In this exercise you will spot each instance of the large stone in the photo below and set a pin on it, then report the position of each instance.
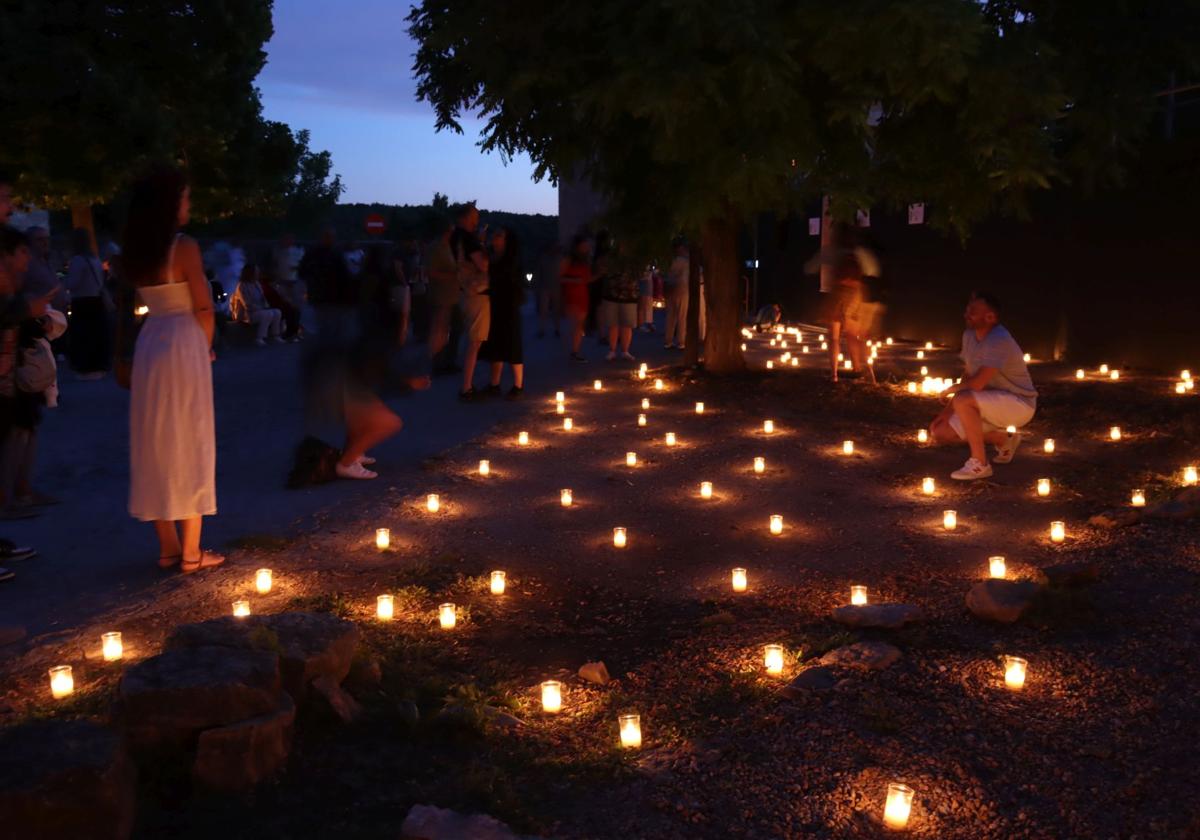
(65, 779)
(238, 756)
(309, 645)
(1116, 518)
(334, 700)
(1002, 600)
(865, 656)
(819, 678)
(166, 700)
(427, 822)
(1069, 574)
(877, 615)
(594, 672)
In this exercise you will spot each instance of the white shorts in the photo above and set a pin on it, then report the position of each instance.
(999, 410)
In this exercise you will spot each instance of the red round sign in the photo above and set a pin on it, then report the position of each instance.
(375, 224)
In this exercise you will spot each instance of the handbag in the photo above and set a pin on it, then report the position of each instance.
(36, 368)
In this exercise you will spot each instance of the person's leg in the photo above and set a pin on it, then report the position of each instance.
(259, 321)
(405, 317)
(469, 359)
(626, 338)
(439, 330)
(835, 341)
(497, 369)
(577, 320)
(942, 431)
(681, 322)
(368, 423)
(518, 370)
(966, 409)
(612, 337)
(276, 323)
(168, 540)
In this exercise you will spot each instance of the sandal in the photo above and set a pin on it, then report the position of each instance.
(170, 561)
(206, 560)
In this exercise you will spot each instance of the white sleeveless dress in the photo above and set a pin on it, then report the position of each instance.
(172, 434)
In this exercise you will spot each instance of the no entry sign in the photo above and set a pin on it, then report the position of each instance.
(375, 224)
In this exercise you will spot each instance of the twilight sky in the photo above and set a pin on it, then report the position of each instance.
(342, 70)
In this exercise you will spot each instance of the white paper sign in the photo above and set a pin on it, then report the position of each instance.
(916, 213)
(814, 226)
(863, 217)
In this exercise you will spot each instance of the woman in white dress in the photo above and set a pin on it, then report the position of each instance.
(172, 444)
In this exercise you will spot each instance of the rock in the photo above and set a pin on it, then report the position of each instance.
(309, 644)
(427, 822)
(594, 672)
(239, 756)
(819, 678)
(867, 656)
(877, 615)
(167, 699)
(366, 675)
(66, 779)
(334, 699)
(1069, 574)
(1002, 600)
(1116, 518)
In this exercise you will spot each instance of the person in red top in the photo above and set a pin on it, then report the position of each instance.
(575, 275)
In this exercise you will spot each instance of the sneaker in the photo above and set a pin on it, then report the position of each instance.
(355, 470)
(515, 393)
(972, 470)
(627, 356)
(276, 340)
(612, 354)
(468, 395)
(668, 346)
(576, 357)
(1005, 453)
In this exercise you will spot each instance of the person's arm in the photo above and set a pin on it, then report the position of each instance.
(976, 382)
(187, 260)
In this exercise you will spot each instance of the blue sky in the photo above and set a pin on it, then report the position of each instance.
(343, 71)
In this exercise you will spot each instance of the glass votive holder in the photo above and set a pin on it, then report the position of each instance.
(776, 524)
(949, 519)
(1048, 446)
(619, 537)
(263, 581)
(241, 608)
(565, 497)
(631, 459)
(631, 731)
(739, 580)
(485, 467)
(847, 447)
(385, 607)
(62, 682)
(858, 595)
(773, 659)
(997, 567)
(447, 616)
(1058, 531)
(1138, 499)
(760, 465)
(928, 487)
(111, 646)
(898, 806)
(552, 696)
(498, 581)
(433, 503)
(706, 490)
(1043, 487)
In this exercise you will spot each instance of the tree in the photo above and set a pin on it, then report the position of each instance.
(694, 116)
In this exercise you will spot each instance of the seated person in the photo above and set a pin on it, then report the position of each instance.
(996, 392)
(249, 306)
(768, 317)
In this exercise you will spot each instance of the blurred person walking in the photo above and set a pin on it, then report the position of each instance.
(443, 299)
(575, 276)
(618, 298)
(91, 347)
(507, 290)
(549, 290)
(471, 263)
(675, 290)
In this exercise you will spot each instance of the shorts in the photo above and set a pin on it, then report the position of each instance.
(999, 409)
(477, 316)
(618, 313)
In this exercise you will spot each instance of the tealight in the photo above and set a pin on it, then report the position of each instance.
(739, 580)
(773, 659)
(262, 581)
(62, 683)
(1058, 531)
(560, 396)
(847, 447)
(1189, 475)
(645, 403)
(928, 345)
(898, 806)
(922, 436)
(949, 519)
(1014, 672)
(522, 438)
(597, 385)
(1027, 357)
(997, 568)
(770, 364)
(565, 497)
(1048, 446)
(768, 426)
(560, 409)
(1180, 387)
(795, 361)
(848, 365)
(1079, 373)
(111, 646)
(924, 370)
(1012, 430)
(241, 608)
(911, 387)
(631, 459)
(631, 731)
(920, 354)
(699, 408)
(447, 616)
(568, 424)
(858, 595)
(385, 606)
(485, 467)
(498, 580)
(776, 524)
(1043, 487)
(1114, 433)
(1104, 369)
(1138, 499)
(705, 489)
(658, 385)
(619, 537)
(670, 438)
(888, 341)
(1185, 375)
(1115, 374)
(641, 419)
(552, 696)
(928, 487)
(433, 503)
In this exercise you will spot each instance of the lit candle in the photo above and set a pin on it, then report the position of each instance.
(776, 524)
(522, 438)
(1012, 430)
(743, 347)
(641, 419)
(1115, 374)
(927, 485)
(928, 345)
(1104, 368)
(619, 537)
(262, 581)
(565, 497)
(997, 568)
(560, 396)
(385, 606)
(1027, 357)
(1079, 374)
(1048, 446)
(241, 608)
(760, 464)
(912, 387)
(1189, 475)
(949, 519)
(705, 489)
(62, 682)
(447, 616)
(924, 370)
(1180, 387)
(888, 341)
(560, 409)
(1043, 487)
(645, 403)
(641, 374)
(770, 364)
(920, 354)
(1185, 374)
(773, 659)
(670, 438)
(1138, 499)
(847, 447)
(922, 436)
(658, 385)
(631, 731)
(1114, 432)
(768, 426)
(498, 582)
(898, 807)
(739, 580)
(110, 644)
(631, 459)
(1058, 531)
(795, 361)
(485, 467)
(848, 365)
(597, 385)
(1014, 672)
(552, 696)
(568, 424)
(433, 503)
(643, 367)
(858, 595)
(699, 408)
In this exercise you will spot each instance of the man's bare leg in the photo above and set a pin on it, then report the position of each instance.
(967, 411)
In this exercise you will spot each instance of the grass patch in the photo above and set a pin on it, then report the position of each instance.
(335, 603)
(815, 644)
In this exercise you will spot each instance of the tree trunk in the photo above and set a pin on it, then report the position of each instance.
(691, 356)
(722, 290)
(81, 217)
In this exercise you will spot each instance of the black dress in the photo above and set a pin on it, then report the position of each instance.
(504, 338)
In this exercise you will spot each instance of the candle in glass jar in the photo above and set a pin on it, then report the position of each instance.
(776, 524)
(498, 579)
(447, 616)
(1027, 358)
(560, 396)
(568, 424)
(920, 354)
(619, 537)
(62, 683)
(898, 806)
(670, 438)
(705, 489)
(597, 385)
(1189, 475)
(262, 581)
(1104, 369)
(383, 538)
(485, 467)
(847, 447)
(1043, 487)
(658, 385)
(997, 568)
(739, 580)
(858, 595)
(770, 365)
(552, 696)
(641, 419)
(241, 608)
(768, 426)
(773, 659)
(1048, 446)
(760, 464)
(522, 438)
(1014, 672)
(1058, 531)
(699, 408)
(927, 485)
(631, 731)
(1079, 373)
(111, 646)
(631, 459)
(1114, 432)
(385, 606)
(645, 403)
(922, 436)
(1114, 374)
(565, 497)
(1185, 374)
(949, 519)
(560, 409)
(848, 365)
(912, 387)
(433, 503)
(1138, 499)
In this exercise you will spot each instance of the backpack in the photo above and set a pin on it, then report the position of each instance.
(36, 368)
(470, 279)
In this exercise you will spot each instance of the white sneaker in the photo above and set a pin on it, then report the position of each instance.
(612, 354)
(356, 470)
(972, 470)
(1005, 453)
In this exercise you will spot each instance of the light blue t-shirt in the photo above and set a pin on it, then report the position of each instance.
(999, 350)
